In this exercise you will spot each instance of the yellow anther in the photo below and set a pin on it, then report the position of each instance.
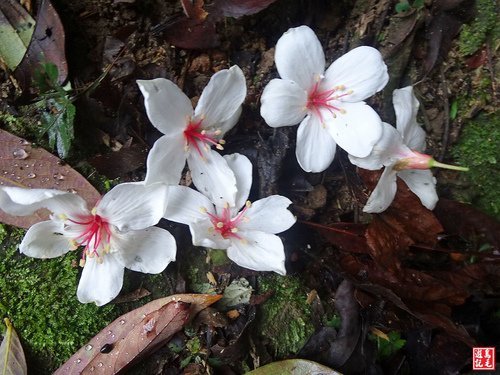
(248, 204)
(186, 148)
(62, 217)
(73, 245)
(226, 205)
(219, 147)
(210, 229)
(222, 142)
(100, 260)
(203, 210)
(82, 262)
(217, 131)
(343, 111)
(350, 92)
(106, 249)
(234, 230)
(220, 224)
(94, 211)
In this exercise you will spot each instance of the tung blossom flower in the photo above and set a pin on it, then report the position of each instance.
(328, 104)
(400, 151)
(117, 233)
(247, 230)
(190, 134)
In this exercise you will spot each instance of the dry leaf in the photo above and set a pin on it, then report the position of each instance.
(23, 165)
(47, 45)
(138, 332)
(12, 361)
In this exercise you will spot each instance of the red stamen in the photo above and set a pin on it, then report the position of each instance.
(194, 134)
(96, 231)
(225, 225)
(319, 100)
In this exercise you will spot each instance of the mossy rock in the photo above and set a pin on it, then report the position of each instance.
(285, 319)
(475, 34)
(479, 149)
(39, 297)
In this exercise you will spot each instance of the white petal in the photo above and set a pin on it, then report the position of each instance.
(212, 177)
(283, 103)
(259, 252)
(45, 240)
(423, 184)
(131, 206)
(361, 70)
(315, 146)
(227, 125)
(222, 97)
(20, 201)
(168, 108)
(100, 282)
(204, 234)
(166, 160)
(186, 205)
(386, 151)
(269, 215)
(357, 130)
(149, 250)
(242, 169)
(384, 193)
(299, 56)
(406, 108)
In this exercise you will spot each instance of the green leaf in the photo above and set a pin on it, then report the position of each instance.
(454, 110)
(57, 120)
(45, 77)
(402, 6)
(236, 293)
(293, 367)
(417, 4)
(12, 361)
(16, 30)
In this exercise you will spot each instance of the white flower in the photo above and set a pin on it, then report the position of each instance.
(247, 234)
(189, 135)
(117, 233)
(331, 101)
(400, 152)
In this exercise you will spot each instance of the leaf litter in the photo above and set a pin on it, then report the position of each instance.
(404, 262)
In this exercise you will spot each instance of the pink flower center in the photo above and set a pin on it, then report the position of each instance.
(95, 234)
(226, 226)
(415, 161)
(201, 139)
(319, 100)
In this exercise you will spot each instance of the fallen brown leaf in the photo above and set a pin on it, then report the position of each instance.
(23, 165)
(47, 45)
(138, 332)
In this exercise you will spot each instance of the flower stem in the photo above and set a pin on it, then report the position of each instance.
(434, 163)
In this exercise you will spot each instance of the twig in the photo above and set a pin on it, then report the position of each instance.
(446, 115)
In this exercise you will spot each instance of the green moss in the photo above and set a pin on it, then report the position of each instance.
(39, 297)
(479, 149)
(285, 319)
(474, 35)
